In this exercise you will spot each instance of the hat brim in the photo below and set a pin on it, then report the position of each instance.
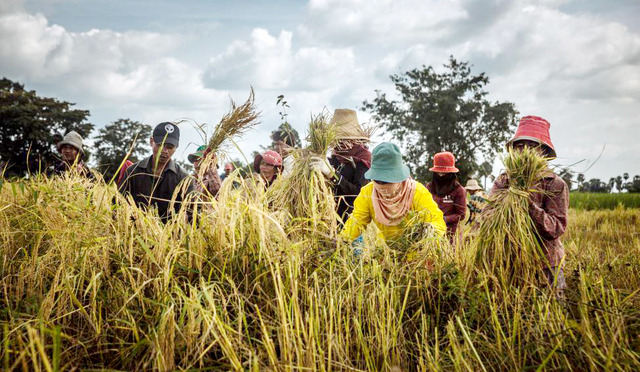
(550, 150)
(167, 140)
(473, 188)
(194, 157)
(62, 143)
(444, 169)
(391, 175)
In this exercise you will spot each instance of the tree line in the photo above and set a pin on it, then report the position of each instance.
(434, 111)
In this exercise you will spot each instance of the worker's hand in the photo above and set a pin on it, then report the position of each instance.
(358, 246)
(321, 165)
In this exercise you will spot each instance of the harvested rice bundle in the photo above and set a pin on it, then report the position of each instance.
(304, 194)
(234, 124)
(507, 248)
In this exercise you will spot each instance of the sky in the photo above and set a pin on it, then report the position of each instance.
(575, 63)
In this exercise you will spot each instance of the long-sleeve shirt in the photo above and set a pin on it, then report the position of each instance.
(147, 189)
(548, 208)
(350, 179)
(453, 205)
(423, 210)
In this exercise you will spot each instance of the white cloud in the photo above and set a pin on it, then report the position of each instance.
(271, 63)
(574, 68)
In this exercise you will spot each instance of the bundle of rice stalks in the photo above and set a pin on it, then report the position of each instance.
(304, 194)
(507, 248)
(235, 123)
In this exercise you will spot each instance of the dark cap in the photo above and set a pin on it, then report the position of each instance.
(167, 132)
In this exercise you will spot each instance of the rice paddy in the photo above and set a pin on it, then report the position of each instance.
(260, 279)
(90, 282)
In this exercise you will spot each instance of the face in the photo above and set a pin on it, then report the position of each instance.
(387, 189)
(196, 165)
(162, 152)
(69, 153)
(521, 144)
(267, 171)
(228, 168)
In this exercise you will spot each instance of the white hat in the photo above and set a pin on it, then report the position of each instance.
(472, 185)
(72, 139)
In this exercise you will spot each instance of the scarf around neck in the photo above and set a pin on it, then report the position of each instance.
(357, 153)
(391, 209)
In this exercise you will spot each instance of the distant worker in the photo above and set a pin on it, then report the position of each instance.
(228, 168)
(549, 207)
(72, 153)
(447, 192)
(123, 171)
(393, 201)
(350, 160)
(284, 141)
(476, 203)
(268, 165)
(152, 181)
(206, 181)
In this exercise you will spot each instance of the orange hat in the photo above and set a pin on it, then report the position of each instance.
(444, 162)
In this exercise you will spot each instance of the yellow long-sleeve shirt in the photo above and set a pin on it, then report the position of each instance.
(424, 209)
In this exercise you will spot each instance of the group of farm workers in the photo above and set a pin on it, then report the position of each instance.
(369, 186)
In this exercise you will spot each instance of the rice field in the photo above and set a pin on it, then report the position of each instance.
(90, 282)
(594, 201)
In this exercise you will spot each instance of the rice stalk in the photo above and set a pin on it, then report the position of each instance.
(507, 248)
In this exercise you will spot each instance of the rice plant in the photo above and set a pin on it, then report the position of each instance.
(507, 248)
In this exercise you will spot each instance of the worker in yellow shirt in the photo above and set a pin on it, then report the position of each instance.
(393, 201)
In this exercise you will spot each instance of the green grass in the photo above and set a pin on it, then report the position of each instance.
(593, 201)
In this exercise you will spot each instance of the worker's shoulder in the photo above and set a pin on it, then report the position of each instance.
(180, 171)
(421, 189)
(367, 189)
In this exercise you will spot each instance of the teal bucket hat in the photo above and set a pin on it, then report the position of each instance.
(194, 157)
(387, 165)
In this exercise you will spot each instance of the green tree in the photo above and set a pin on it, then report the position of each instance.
(115, 140)
(484, 171)
(285, 131)
(31, 126)
(567, 175)
(580, 180)
(619, 183)
(446, 111)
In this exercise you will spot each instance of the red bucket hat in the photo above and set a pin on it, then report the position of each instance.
(270, 157)
(444, 162)
(534, 128)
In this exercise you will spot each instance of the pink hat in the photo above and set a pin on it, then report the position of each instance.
(444, 162)
(534, 128)
(270, 157)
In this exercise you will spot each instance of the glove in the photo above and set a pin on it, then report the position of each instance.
(322, 166)
(358, 246)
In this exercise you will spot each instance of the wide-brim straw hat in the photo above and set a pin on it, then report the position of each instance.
(472, 185)
(536, 129)
(348, 128)
(444, 162)
(72, 138)
(387, 164)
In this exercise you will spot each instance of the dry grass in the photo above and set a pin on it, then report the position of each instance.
(90, 282)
